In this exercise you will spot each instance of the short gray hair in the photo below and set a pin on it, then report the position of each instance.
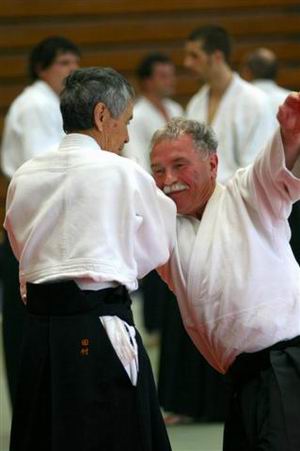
(203, 136)
(84, 88)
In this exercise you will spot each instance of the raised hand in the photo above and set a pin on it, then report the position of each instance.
(289, 120)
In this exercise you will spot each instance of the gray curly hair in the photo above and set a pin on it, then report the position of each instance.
(203, 136)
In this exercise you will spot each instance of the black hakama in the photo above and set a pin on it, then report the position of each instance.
(265, 405)
(74, 392)
(13, 317)
(187, 384)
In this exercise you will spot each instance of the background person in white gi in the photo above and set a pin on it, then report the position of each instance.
(238, 112)
(33, 123)
(85, 224)
(157, 80)
(260, 67)
(234, 273)
(32, 126)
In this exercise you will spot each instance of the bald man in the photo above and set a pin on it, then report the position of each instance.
(260, 68)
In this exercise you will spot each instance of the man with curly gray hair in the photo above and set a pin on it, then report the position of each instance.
(234, 274)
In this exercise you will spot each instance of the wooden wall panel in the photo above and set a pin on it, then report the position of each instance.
(119, 33)
(65, 8)
(154, 29)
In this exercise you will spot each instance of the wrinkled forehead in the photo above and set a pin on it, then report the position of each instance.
(166, 149)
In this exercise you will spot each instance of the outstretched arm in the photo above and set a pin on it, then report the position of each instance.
(289, 120)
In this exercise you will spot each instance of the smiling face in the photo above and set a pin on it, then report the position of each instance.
(183, 174)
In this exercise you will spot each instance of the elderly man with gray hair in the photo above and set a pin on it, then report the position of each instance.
(85, 224)
(234, 274)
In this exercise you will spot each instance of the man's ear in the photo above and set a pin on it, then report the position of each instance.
(213, 161)
(100, 115)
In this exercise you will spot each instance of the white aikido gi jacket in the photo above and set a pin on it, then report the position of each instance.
(33, 125)
(146, 120)
(93, 217)
(275, 94)
(234, 274)
(243, 123)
